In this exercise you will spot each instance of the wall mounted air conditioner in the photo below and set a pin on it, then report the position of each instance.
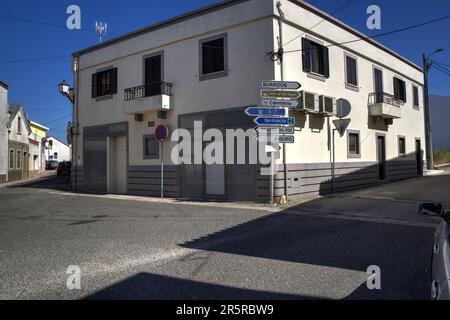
(310, 101)
(327, 105)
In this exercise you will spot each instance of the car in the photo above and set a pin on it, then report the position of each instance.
(51, 165)
(64, 168)
(440, 257)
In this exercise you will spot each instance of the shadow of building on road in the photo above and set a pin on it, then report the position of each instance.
(148, 286)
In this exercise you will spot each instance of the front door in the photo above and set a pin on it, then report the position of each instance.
(215, 179)
(117, 165)
(419, 158)
(381, 154)
(153, 75)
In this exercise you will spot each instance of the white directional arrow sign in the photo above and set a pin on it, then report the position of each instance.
(287, 85)
(276, 139)
(275, 130)
(276, 94)
(293, 104)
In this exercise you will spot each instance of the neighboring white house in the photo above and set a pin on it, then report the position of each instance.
(3, 132)
(207, 66)
(440, 115)
(57, 150)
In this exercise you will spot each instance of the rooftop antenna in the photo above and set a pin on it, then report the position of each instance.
(101, 28)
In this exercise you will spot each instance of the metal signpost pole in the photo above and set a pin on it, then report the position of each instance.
(162, 169)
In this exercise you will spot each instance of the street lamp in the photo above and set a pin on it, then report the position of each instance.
(428, 139)
(66, 90)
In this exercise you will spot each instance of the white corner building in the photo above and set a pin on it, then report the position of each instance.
(207, 65)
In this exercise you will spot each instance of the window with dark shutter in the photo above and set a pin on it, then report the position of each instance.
(415, 96)
(351, 71)
(213, 57)
(402, 146)
(104, 83)
(315, 58)
(399, 90)
(151, 147)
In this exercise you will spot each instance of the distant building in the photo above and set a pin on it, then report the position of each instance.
(57, 150)
(18, 144)
(3, 132)
(440, 113)
(37, 142)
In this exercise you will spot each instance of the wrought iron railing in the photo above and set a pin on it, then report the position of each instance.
(383, 97)
(148, 90)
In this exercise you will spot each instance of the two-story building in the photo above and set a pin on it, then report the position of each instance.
(18, 143)
(57, 150)
(207, 65)
(37, 142)
(3, 132)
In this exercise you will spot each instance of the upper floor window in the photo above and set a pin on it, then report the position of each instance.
(19, 125)
(351, 71)
(213, 57)
(315, 58)
(104, 83)
(416, 96)
(399, 89)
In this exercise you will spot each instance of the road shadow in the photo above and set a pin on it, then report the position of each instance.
(148, 286)
(48, 183)
(402, 252)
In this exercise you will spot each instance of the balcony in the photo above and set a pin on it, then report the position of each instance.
(384, 105)
(149, 97)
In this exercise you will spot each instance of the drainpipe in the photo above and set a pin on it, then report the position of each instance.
(280, 56)
(75, 122)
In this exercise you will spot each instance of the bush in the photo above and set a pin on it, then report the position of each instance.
(441, 157)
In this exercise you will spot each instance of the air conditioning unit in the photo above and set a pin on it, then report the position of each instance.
(310, 101)
(327, 105)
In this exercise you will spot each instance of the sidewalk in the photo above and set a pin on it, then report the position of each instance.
(26, 181)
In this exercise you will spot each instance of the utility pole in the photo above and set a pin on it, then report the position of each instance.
(428, 138)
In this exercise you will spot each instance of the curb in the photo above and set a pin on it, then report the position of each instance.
(24, 182)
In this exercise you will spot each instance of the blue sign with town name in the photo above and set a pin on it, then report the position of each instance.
(263, 121)
(270, 112)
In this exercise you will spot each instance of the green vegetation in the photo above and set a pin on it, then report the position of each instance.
(441, 157)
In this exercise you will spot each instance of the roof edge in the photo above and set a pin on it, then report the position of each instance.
(4, 85)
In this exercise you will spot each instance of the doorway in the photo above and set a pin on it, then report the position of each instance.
(419, 157)
(117, 164)
(381, 157)
(153, 75)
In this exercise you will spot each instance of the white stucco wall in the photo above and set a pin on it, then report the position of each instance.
(3, 131)
(63, 151)
(14, 134)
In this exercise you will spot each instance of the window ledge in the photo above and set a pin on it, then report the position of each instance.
(316, 76)
(352, 87)
(213, 75)
(354, 156)
(103, 98)
(416, 108)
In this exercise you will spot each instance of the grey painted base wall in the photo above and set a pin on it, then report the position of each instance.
(304, 180)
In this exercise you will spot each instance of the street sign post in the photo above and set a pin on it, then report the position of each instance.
(277, 85)
(275, 130)
(263, 121)
(161, 135)
(270, 112)
(276, 94)
(292, 104)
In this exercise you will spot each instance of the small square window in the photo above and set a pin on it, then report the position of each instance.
(402, 146)
(151, 147)
(354, 148)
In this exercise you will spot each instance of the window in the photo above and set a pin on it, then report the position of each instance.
(11, 159)
(213, 57)
(19, 160)
(315, 58)
(401, 146)
(151, 147)
(399, 89)
(19, 125)
(55, 155)
(351, 71)
(354, 149)
(416, 96)
(104, 83)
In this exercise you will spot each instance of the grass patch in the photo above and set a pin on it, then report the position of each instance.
(441, 157)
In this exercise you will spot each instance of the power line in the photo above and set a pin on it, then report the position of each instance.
(382, 34)
(56, 120)
(35, 59)
(445, 71)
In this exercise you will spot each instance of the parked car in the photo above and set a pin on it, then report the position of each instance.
(440, 261)
(51, 165)
(64, 168)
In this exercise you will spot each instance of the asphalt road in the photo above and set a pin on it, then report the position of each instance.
(132, 248)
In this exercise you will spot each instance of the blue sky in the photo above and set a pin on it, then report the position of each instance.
(34, 83)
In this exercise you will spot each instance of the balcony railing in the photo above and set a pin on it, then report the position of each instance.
(382, 97)
(148, 90)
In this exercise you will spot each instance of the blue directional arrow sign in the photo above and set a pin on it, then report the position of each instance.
(263, 121)
(270, 112)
